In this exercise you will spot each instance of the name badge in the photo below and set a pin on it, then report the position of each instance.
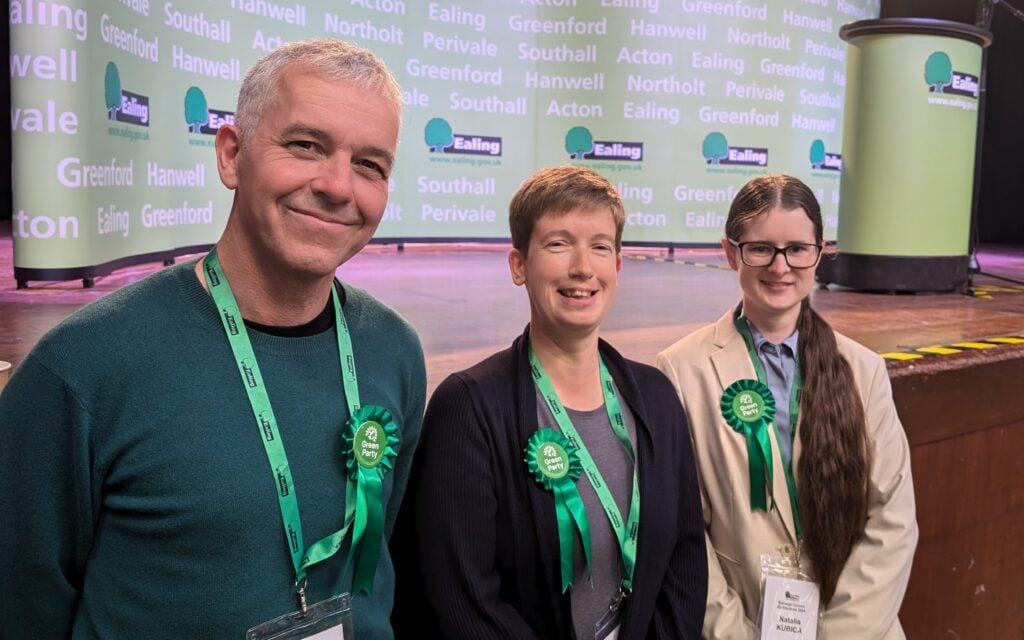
(330, 619)
(790, 601)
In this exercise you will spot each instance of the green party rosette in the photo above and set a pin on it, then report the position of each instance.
(749, 407)
(369, 449)
(555, 464)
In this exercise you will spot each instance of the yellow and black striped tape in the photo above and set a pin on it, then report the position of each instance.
(986, 290)
(956, 347)
(689, 263)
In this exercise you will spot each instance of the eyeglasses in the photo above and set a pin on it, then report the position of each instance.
(761, 254)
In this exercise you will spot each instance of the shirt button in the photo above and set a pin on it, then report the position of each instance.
(787, 550)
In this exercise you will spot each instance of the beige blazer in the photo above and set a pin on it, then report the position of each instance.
(871, 585)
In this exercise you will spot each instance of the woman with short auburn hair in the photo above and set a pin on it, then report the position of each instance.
(554, 493)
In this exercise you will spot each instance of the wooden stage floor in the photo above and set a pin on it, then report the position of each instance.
(464, 306)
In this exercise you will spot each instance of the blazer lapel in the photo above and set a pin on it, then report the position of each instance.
(541, 502)
(731, 362)
(780, 490)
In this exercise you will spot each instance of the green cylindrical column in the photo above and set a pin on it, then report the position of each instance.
(909, 136)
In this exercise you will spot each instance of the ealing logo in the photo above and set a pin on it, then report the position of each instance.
(293, 537)
(123, 106)
(266, 426)
(440, 139)
(248, 372)
(202, 119)
(282, 480)
(580, 145)
(941, 78)
(821, 159)
(230, 314)
(716, 150)
(211, 274)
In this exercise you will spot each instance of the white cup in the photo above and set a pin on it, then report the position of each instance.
(5, 372)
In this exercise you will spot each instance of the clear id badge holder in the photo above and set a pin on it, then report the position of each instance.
(329, 619)
(790, 601)
(607, 628)
(611, 632)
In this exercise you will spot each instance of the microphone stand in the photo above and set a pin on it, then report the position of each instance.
(1017, 13)
(986, 9)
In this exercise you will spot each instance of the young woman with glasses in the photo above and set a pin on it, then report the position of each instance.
(804, 466)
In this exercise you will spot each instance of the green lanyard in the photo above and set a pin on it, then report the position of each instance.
(266, 422)
(625, 533)
(794, 409)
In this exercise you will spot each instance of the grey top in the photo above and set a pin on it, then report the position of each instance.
(779, 362)
(589, 605)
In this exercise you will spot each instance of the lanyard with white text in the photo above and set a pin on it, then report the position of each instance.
(266, 422)
(794, 409)
(626, 534)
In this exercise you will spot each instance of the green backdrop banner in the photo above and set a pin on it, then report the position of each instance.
(115, 106)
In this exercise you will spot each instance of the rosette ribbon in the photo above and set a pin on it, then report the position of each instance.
(370, 442)
(749, 407)
(555, 464)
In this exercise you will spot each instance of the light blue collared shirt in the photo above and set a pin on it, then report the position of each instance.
(779, 362)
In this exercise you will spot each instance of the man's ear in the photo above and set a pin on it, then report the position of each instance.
(730, 254)
(228, 145)
(517, 266)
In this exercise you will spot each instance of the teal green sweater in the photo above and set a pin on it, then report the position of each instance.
(137, 500)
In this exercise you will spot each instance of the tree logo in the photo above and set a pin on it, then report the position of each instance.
(823, 160)
(579, 142)
(715, 147)
(123, 106)
(112, 90)
(716, 151)
(440, 138)
(200, 118)
(197, 112)
(938, 71)
(438, 135)
(940, 77)
(580, 145)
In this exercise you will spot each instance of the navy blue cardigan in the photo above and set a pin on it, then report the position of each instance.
(476, 545)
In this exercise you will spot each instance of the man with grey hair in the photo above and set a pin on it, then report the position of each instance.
(219, 451)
